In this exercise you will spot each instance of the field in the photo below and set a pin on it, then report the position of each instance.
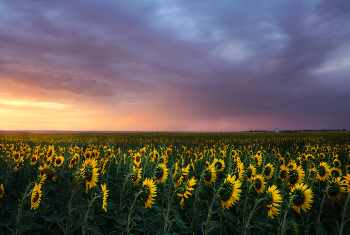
(204, 183)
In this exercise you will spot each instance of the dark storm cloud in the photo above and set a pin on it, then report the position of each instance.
(209, 59)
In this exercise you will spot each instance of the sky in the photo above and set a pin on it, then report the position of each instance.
(174, 65)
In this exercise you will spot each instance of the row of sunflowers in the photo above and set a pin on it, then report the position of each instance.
(164, 183)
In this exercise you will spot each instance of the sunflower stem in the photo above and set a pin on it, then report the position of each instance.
(283, 230)
(130, 212)
(87, 214)
(246, 229)
(319, 214)
(343, 215)
(168, 208)
(209, 212)
(20, 206)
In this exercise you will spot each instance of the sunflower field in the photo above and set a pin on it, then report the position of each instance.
(166, 183)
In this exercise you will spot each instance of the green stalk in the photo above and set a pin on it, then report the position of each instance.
(209, 212)
(343, 215)
(245, 228)
(87, 214)
(128, 229)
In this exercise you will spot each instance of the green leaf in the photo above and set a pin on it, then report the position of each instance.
(160, 209)
(180, 223)
(121, 219)
(193, 213)
(319, 229)
(53, 218)
(6, 222)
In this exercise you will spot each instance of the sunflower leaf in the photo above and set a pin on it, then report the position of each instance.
(319, 229)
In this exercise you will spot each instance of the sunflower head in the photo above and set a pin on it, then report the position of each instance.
(336, 172)
(137, 159)
(301, 197)
(335, 189)
(283, 173)
(337, 163)
(259, 183)
(161, 173)
(239, 170)
(104, 196)
(148, 192)
(251, 171)
(136, 175)
(296, 175)
(186, 191)
(36, 196)
(34, 159)
(273, 199)
(313, 173)
(268, 171)
(2, 191)
(219, 164)
(347, 182)
(323, 171)
(50, 173)
(230, 192)
(59, 161)
(209, 175)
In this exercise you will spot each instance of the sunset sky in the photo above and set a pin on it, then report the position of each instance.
(174, 65)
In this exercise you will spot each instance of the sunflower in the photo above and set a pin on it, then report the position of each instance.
(161, 173)
(250, 172)
(59, 161)
(104, 165)
(309, 157)
(335, 189)
(312, 173)
(89, 173)
(34, 159)
(104, 196)
(240, 171)
(19, 164)
(136, 175)
(137, 159)
(48, 161)
(336, 172)
(257, 159)
(149, 192)
(274, 197)
(347, 181)
(41, 178)
(209, 175)
(51, 151)
(2, 191)
(268, 171)
(36, 196)
(259, 183)
(186, 191)
(192, 165)
(219, 164)
(301, 197)
(347, 168)
(230, 192)
(337, 163)
(283, 173)
(323, 171)
(181, 176)
(16, 156)
(296, 175)
(50, 173)
(74, 160)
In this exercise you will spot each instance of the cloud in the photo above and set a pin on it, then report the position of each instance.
(210, 62)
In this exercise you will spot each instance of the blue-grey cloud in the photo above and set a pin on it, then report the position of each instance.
(206, 59)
